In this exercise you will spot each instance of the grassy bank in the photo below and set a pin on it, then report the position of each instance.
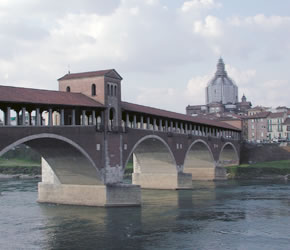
(19, 166)
(272, 169)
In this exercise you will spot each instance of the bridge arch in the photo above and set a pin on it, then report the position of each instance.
(152, 155)
(69, 161)
(199, 161)
(228, 155)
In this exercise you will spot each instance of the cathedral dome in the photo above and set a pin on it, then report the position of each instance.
(221, 88)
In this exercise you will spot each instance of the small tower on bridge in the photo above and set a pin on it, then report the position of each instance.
(103, 86)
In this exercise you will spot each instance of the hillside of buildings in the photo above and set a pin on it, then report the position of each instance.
(258, 124)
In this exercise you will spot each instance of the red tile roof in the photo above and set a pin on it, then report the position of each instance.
(277, 115)
(172, 115)
(88, 74)
(258, 115)
(48, 97)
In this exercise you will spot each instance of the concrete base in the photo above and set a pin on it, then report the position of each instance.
(207, 174)
(163, 181)
(220, 173)
(90, 195)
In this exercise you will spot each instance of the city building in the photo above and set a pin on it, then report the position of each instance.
(276, 129)
(221, 95)
(257, 127)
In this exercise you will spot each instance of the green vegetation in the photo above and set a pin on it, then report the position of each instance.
(18, 163)
(272, 169)
(20, 160)
(129, 169)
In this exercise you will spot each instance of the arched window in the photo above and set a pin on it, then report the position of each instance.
(115, 90)
(93, 89)
(112, 114)
(108, 89)
(111, 119)
(112, 93)
(68, 89)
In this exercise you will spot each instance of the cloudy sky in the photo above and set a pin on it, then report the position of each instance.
(166, 50)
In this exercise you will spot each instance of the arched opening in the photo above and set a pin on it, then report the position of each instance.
(150, 157)
(228, 156)
(65, 161)
(2, 117)
(199, 161)
(111, 122)
(93, 89)
(68, 89)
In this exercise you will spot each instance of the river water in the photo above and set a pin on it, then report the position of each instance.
(221, 215)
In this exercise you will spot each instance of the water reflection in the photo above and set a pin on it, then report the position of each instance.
(214, 215)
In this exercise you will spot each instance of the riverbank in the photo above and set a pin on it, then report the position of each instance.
(19, 169)
(262, 170)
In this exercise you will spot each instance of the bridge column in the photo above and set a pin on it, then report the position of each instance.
(166, 125)
(50, 121)
(134, 121)
(148, 123)
(62, 117)
(160, 125)
(23, 110)
(94, 117)
(73, 117)
(8, 116)
(83, 117)
(142, 122)
(154, 124)
(37, 118)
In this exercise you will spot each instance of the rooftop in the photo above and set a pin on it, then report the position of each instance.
(258, 115)
(172, 115)
(105, 72)
(10, 94)
(277, 115)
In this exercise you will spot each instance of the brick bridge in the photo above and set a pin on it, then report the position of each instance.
(86, 136)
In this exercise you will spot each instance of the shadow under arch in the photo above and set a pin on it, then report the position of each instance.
(229, 155)
(199, 161)
(151, 154)
(69, 162)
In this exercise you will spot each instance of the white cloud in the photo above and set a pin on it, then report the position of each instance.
(42, 38)
(196, 5)
(211, 27)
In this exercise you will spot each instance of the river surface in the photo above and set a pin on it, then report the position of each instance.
(221, 215)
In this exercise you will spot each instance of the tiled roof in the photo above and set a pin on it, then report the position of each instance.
(258, 115)
(88, 74)
(48, 97)
(172, 115)
(277, 115)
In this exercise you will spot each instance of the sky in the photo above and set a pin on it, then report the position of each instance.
(165, 50)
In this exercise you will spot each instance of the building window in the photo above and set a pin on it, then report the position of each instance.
(115, 90)
(68, 89)
(93, 89)
(112, 90)
(108, 89)
(262, 134)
